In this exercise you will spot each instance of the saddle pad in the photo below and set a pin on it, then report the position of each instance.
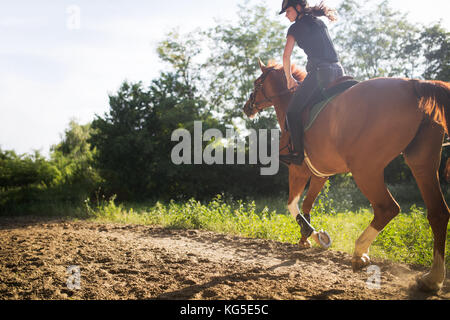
(330, 94)
(315, 110)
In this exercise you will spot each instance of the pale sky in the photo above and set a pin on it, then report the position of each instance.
(60, 59)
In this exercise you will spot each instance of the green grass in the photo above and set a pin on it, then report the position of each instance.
(407, 238)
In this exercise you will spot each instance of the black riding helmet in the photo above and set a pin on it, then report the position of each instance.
(292, 3)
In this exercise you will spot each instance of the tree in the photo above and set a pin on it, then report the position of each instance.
(134, 139)
(25, 179)
(435, 41)
(376, 41)
(74, 142)
(75, 160)
(18, 171)
(234, 50)
(180, 52)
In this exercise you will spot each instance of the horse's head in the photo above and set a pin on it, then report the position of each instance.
(263, 92)
(269, 87)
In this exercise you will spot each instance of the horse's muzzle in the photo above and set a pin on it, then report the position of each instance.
(249, 110)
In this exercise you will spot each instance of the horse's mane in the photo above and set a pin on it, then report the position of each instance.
(298, 73)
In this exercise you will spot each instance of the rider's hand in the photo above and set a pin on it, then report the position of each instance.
(292, 83)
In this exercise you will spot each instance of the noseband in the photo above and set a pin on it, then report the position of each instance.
(259, 85)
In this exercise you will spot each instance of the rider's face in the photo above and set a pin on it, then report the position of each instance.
(291, 14)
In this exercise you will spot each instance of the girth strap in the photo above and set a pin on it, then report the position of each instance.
(311, 167)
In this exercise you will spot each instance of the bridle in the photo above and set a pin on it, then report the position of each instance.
(259, 85)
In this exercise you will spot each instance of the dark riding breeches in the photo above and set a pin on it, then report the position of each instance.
(316, 80)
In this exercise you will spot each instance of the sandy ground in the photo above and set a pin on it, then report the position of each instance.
(145, 262)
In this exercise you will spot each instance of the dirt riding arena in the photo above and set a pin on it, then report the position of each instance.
(143, 262)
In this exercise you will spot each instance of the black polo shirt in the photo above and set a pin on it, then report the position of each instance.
(311, 34)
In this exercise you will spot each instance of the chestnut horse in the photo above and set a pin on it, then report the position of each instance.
(361, 131)
(447, 171)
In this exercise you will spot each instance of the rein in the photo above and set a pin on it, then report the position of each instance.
(259, 84)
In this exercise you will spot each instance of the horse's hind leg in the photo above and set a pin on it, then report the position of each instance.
(423, 157)
(385, 208)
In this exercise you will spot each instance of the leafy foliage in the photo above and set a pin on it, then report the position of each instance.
(34, 184)
(25, 170)
(436, 49)
(376, 42)
(234, 50)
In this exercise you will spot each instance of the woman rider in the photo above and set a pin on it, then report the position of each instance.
(323, 67)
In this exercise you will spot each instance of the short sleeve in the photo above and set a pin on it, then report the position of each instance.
(292, 30)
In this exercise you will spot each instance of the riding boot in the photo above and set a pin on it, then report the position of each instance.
(298, 102)
(296, 155)
(285, 146)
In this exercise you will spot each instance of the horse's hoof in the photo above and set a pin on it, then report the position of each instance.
(426, 284)
(322, 238)
(360, 262)
(304, 244)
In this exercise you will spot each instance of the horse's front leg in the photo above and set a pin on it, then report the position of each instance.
(315, 186)
(298, 178)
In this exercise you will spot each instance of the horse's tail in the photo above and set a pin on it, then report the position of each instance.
(434, 101)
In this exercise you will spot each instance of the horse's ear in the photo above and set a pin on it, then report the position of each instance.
(261, 65)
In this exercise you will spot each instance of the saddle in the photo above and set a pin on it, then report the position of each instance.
(319, 101)
(316, 104)
(339, 81)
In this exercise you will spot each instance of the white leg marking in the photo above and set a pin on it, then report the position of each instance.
(294, 210)
(364, 241)
(435, 278)
(293, 207)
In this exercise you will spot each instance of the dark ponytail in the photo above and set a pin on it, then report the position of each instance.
(320, 10)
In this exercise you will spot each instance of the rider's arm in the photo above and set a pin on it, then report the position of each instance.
(290, 43)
